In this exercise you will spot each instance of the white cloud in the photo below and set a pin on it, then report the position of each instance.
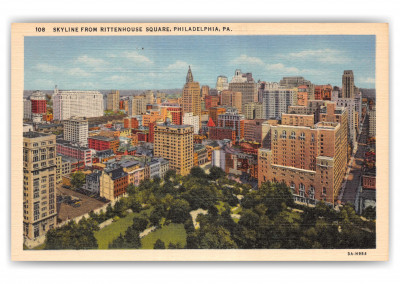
(78, 72)
(258, 62)
(280, 67)
(47, 68)
(178, 65)
(137, 58)
(244, 59)
(327, 55)
(120, 78)
(90, 61)
(368, 80)
(44, 82)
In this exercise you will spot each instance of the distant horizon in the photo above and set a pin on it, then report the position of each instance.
(161, 62)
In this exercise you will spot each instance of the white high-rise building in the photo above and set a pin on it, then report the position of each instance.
(27, 108)
(276, 101)
(353, 106)
(222, 83)
(190, 119)
(77, 103)
(76, 130)
(372, 122)
(137, 105)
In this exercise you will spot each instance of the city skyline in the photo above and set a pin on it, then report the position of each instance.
(161, 62)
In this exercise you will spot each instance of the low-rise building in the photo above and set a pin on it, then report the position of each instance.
(200, 155)
(113, 184)
(93, 182)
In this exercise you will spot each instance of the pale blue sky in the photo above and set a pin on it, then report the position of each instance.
(161, 62)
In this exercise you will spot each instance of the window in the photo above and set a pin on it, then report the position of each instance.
(302, 190)
(311, 192)
(292, 135)
(283, 134)
(302, 136)
(292, 187)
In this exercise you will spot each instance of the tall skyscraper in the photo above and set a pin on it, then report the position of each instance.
(175, 144)
(77, 103)
(189, 76)
(232, 99)
(275, 102)
(39, 154)
(113, 101)
(348, 84)
(245, 84)
(76, 130)
(137, 105)
(191, 96)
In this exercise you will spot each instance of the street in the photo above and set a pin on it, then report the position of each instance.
(353, 178)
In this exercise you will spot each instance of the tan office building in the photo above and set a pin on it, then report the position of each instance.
(232, 99)
(175, 144)
(39, 159)
(113, 101)
(191, 97)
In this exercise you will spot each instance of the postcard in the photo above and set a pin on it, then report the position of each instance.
(199, 142)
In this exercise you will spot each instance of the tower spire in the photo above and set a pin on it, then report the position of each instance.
(189, 76)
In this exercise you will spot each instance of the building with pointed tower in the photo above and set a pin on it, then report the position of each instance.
(191, 96)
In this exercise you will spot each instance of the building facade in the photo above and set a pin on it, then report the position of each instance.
(113, 100)
(348, 84)
(276, 102)
(76, 130)
(191, 96)
(39, 201)
(253, 110)
(190, 119)
(232, 99)
(244, 84)
(77, 103)
(68, 149)
(175, 144)
(311, 160)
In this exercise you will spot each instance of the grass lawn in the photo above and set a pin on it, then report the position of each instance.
(111, 232)
(39, 247)
(173, 233)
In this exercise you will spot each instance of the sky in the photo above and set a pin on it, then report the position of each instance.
(161, 62)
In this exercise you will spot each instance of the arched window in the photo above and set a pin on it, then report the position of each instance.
(302, 136)
(276, 134)
(312, 138)
(292, 135)
(284, 134)
(302, 190)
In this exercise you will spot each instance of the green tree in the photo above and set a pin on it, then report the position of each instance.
(179, 211)
(78, 179)
(132, 239)
(216, 173)
(198, 172)
(159, 244)
(370, 213)
(140, 223)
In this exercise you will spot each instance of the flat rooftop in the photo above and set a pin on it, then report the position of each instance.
(32, 134)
